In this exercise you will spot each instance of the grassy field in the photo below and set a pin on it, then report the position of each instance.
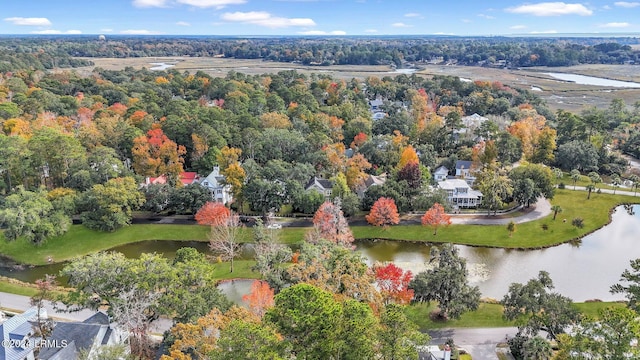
(79, 241)
(487, 315)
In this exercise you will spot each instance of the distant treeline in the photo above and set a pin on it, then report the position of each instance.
(59, 51)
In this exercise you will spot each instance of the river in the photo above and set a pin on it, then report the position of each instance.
(582, 271)
(592, 80)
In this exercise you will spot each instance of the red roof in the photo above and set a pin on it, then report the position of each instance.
(186, 178)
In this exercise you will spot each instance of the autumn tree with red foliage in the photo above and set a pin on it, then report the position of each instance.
(383, 212)
(213, 213)
(412, 174)
(436, 217)
(260, 299)
(393, 283)
(330, 224)
(358, 140)
(155, 154)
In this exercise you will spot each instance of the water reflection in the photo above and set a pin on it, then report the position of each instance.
(581, 270)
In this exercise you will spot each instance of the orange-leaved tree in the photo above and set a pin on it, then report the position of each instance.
(436, 217)
(383, 212)
(330, 224)
(408, 156)
(155, 154)
(394, 283)
(213, 213)
(260, 299)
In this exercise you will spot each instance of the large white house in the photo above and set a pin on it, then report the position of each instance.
(460, 194)
(215, 183)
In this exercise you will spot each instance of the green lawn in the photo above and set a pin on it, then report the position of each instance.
(79, 241)
(487, 315)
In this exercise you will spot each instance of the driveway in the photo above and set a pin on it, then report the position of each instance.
(539, 210)
(479, 342)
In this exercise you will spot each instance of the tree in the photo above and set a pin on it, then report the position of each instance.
(609, 337)
(511, 228)
(234, 174)
(309, 320)
(630, 285)
(537, 348)
(446, 283)
(556, 210)
(330, 224)
(615, 181)
(45, 287)
(154, 154)
(264, 195)
(188, 199)
(32, 215)
(393, 283)
(260, 299)
(398, 335)
(495, 188)
(578, 222)
(577, 154)
(525, 192)
(595, 178)
(408, 156)
(224, 239)
(55, 166)
(212, 213)
(541, 175)
(383, 212)
(355, 171)
(575, 176)
(243, 339)
(412, 174)
(271, 257)
(590, 188)
(537, 309)
(109, 206)
(635, 182)
(436, 217)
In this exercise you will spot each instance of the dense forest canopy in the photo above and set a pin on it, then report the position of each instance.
(59, 51)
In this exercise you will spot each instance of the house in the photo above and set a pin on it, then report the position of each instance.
(186, 178)
(375, 105)
(441, 173)
(469, 125)
(73, 337)
(322, 186)
(460, 194)
(379, 115)
(220, 191)
(433, 352)
(370, 181)
(17, 329)
(464, 171)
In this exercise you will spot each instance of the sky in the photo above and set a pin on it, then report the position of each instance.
(317, 17)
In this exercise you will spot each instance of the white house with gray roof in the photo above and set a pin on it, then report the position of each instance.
(460, 194)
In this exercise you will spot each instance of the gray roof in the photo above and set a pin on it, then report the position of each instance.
(94, 330)
(18, 324)
(323, 183)
(460, 164)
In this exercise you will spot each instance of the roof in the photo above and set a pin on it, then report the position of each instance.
(376, 102)
(464, 164)
(14, 328)
(188, 177)
(321, 183)
(375, 180)
(214, 179)
(451, 184)
(77, 336)
(441, 169)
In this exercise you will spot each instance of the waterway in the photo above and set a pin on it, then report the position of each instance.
(582, 271)
(592, 80)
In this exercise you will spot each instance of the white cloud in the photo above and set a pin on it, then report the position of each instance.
(466, 21)
(518, 27)
(400, 25)
(488, 17)
(412, 15)
(607, 7)
(149, 3)
(28, 21)
(615, 25)
(544, 32)
(371, 31)
(263, 18)
(320, 32)
(550, 9)
(626, 4)
(138, 32)
(183, 23)
(218, 4)
(56, 32)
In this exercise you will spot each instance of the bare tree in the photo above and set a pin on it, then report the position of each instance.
(224, 239)
(44, 326)
(131, 312)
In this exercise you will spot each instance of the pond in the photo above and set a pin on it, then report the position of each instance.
(592, 80)
(582, 271)
(161, 66)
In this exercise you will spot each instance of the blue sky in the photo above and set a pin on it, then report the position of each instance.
(317, 17)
